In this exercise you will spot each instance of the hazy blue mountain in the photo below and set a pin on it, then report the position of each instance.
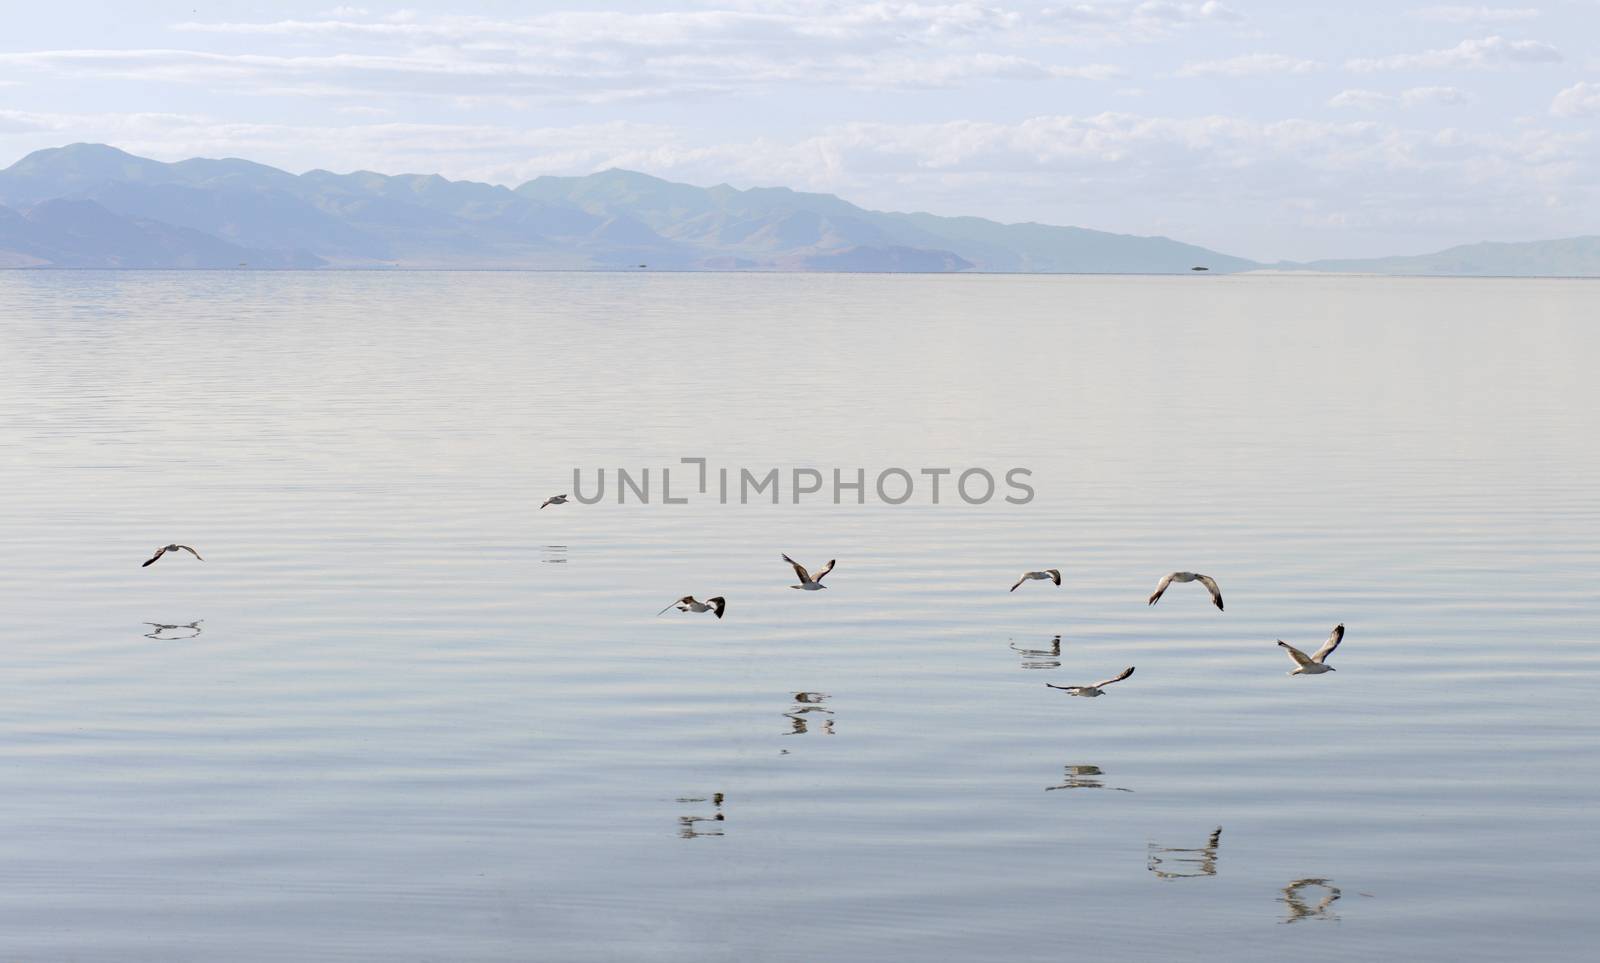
(90, 205)
(362, 219)
(884, 259)
(613, 219)
(81, 233)
(1566, 257)
(795, 228)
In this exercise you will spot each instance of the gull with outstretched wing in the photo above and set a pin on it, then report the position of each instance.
(1206, 580)
(809, 582)
(690, 604)
(1315, 664)
(1091, 691)
(1052, 574)
(170, 548)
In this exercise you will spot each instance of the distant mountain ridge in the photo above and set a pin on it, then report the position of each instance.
(94, 206)
(227, 213)
(1573, 257)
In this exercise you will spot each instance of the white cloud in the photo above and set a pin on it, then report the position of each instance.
(1361, 99)
(1411, 97)
(1468, 54)
(1250, 65)
(1580, 100)
(517, 80)
(1478, 14)
(778, 27)
(600, 57)
(1438, 96)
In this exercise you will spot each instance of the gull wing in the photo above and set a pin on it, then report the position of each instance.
(1055, 574)
(718, 603)
(686, 598)
(799, 570)
(1299, 657)
(1334, 639)
(1024, 578)
(159, 552)
(1125, 673)
(1211, 586)
(1162, 587)
(191, 551)
(1067, 688)
(825, 570)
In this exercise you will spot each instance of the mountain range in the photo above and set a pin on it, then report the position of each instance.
(94, 206)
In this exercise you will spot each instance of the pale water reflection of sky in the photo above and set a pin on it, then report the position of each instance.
(400, 712)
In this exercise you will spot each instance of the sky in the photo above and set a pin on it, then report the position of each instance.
(1270, 130)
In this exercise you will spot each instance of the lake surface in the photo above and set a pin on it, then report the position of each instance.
(401, 713)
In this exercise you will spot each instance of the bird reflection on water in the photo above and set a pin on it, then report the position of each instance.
(1203, 860)
(1085, 777)
(1041, 658)
(160, 630)
(806, 704)
(1297, 894)
(688, 825)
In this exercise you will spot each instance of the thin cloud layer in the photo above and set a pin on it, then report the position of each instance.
(1482, 54)
(1250, 65)
(1481, 13)
(1580, 100)
(1411, 97)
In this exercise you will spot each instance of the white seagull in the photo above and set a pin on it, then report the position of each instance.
(554, 500)
(690, 604)
(1315, 664)
(809, 582)
(1052, 574)
(1206, 580)
(1098, 689)
(171, 548)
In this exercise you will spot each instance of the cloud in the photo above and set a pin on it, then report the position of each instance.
(1580, 100)
(779, 27)
(1478, 14)
(518, 80)
(152, 125)
(1468, 54)
(1250, 65)
(1411, 97)
(598, 57)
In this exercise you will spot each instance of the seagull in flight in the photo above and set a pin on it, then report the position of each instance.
(1053, 575)
(1091, 691)
(171, 548)
(554, 500)
(1315, 664)
(690, 604)
(1206, 580)
(809, 582)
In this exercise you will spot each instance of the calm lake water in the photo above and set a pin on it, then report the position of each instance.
(400, 713)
